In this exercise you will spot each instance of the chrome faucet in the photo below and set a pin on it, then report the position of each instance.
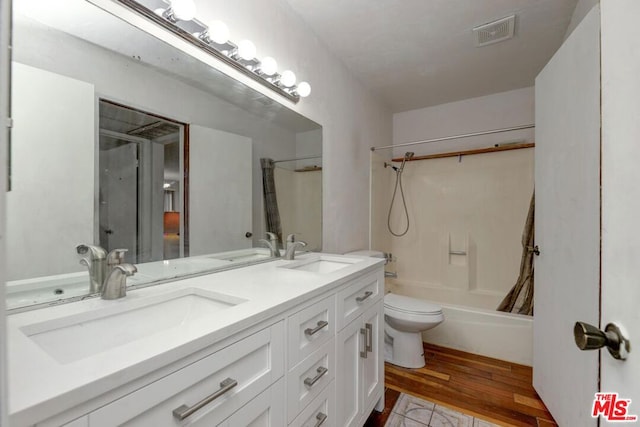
(292, 245)
(115, 285)
(272, 244)
(95, 261)
(101, 266)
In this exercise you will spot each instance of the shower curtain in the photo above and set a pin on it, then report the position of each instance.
(520, 298)
(271, 212)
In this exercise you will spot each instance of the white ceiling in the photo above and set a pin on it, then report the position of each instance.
(418, 53)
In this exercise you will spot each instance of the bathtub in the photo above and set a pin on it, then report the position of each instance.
(503, 336)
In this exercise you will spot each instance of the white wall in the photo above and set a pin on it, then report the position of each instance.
(497, 111)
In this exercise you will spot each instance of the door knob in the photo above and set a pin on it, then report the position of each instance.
(588, 337)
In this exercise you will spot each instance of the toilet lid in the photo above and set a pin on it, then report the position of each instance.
(410, 305)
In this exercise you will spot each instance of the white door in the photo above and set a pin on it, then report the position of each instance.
(220, 194)
(119, 198)
(586, 134)
(621, 192)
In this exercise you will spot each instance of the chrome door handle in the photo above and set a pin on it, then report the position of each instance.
(320, 372)
(364, 297)
(321, 419)
(588, 337)
(183, 411)
(369, 338)
(321, 324)
(363, 353)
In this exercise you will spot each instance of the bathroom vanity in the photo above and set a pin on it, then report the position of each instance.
(282, 343)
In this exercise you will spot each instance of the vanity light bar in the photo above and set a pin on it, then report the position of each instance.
(213, 39)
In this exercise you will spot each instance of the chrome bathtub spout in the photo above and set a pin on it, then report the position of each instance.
(115, 286)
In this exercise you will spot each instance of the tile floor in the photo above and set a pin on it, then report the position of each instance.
(410, 411)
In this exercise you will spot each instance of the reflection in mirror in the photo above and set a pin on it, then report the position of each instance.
(298, 185)
(122, 141)
(139, 184)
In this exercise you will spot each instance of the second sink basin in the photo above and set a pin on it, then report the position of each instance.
(82, 335)
(321, 264)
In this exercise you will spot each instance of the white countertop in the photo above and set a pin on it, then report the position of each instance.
(38, 384)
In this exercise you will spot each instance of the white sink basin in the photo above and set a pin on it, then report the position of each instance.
(322, 264)
(78, 336)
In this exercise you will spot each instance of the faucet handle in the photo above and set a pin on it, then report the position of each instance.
(116, 257)
(291, 238)
(271, 236)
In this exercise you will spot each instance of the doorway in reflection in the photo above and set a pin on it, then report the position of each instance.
(141, 184)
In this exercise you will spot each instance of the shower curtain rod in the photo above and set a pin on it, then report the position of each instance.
(299, 158)
(446, 138)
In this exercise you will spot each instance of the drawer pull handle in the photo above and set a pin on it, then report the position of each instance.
(364, 297)
(320, 372)
(369, 341)
(183, 411)
(363, 353)
(321, 324)
(321, 419)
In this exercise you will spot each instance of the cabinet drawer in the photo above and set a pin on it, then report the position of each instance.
(320, 412)
(310, 328)
(254, 362)
(309, 378)
(358, 297)
(265, 410)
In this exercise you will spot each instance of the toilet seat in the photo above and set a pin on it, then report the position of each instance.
(406, 305)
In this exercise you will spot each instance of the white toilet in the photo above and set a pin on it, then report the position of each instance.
(404, 320)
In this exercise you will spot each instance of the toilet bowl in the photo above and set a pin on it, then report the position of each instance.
(404, 320)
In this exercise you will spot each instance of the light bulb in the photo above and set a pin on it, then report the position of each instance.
(183, 10)
(288, 78)
(304, 89)
(218, 32)
(268, 66)
(246, 50)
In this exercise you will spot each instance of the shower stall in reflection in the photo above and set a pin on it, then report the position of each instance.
(458, 242)
(297, 205)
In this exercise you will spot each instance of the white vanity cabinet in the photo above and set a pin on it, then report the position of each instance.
(313, 363)
(360, 362)
(219, 384)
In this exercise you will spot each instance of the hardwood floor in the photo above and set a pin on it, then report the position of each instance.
(486, 388)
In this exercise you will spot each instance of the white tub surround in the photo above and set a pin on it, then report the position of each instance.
(232, 320)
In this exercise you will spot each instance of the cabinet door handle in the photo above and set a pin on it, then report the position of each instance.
(321, 419)
(321, 324)
(369, 342)
(364, 297)
(320, 372)
(363, 353)
(183, 411)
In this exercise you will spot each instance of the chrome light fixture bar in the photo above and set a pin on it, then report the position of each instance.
(213, 39)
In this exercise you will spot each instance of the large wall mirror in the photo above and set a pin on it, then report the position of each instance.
(125, 142)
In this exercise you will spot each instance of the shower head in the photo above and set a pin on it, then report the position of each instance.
(408, 155)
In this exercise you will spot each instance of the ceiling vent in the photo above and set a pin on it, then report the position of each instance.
(496, 31)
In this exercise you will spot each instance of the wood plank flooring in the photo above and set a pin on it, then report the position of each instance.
(490, 389)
